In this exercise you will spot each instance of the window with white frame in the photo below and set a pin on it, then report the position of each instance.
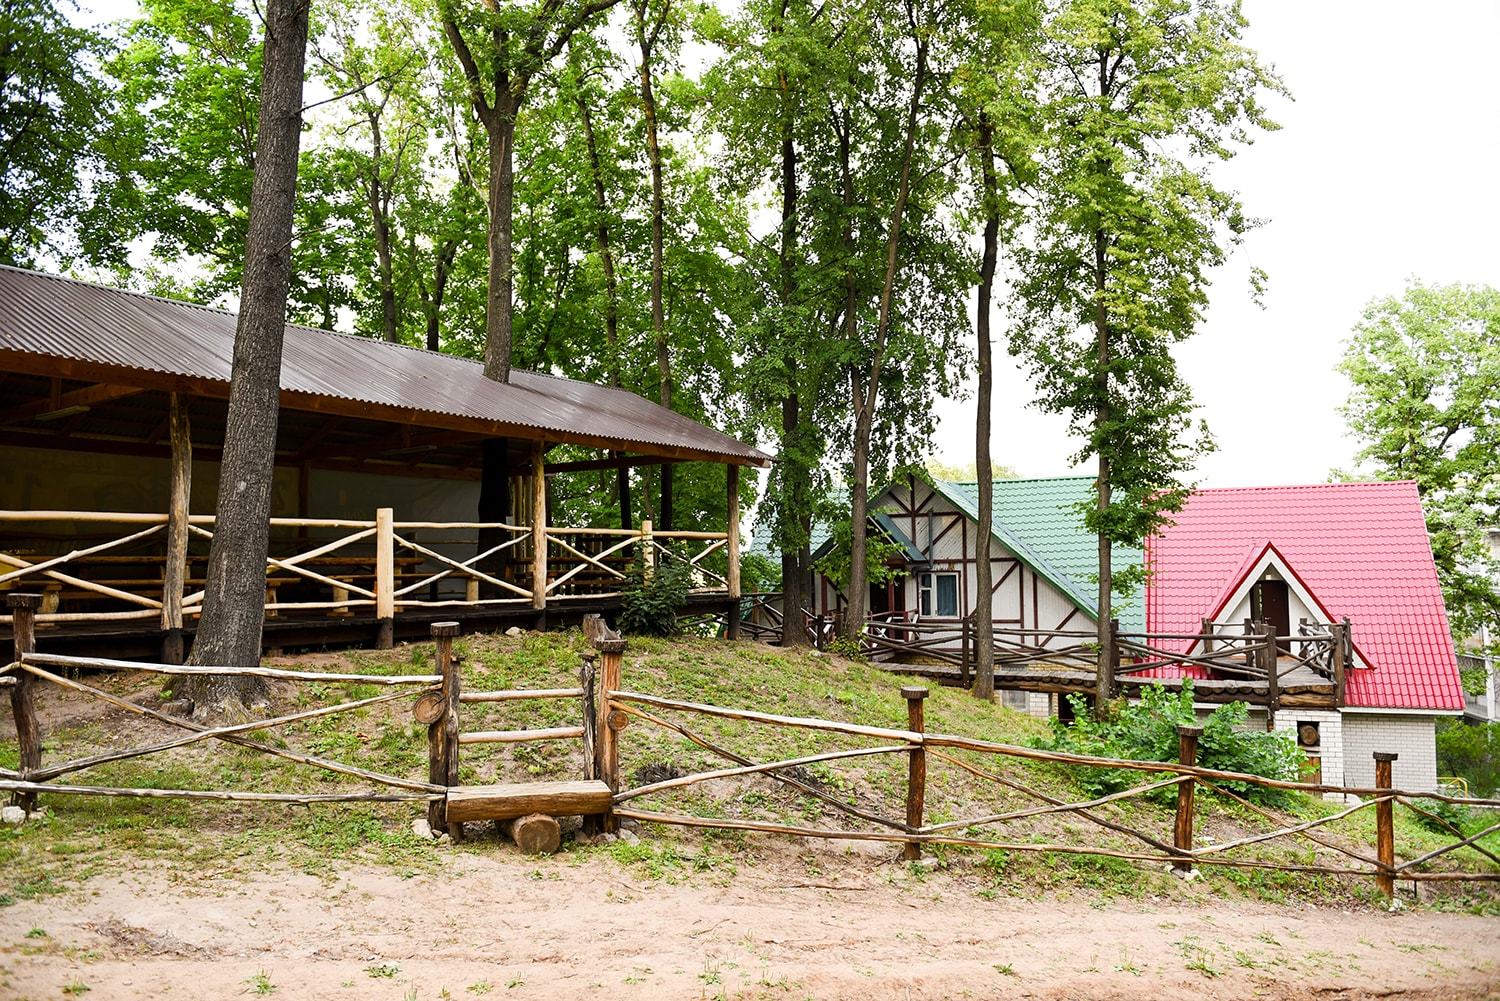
(937, 595)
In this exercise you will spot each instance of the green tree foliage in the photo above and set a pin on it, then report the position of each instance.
(57, 148)
(1141, 98)
(1147, 731)
(1425, 405)
(1471, 753)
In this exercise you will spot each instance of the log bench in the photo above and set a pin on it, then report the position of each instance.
(528, 811)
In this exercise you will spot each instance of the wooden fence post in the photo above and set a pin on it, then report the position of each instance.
(1273, 683)
(385, 578)
(588, 673)
(539, 526)
(610, 720)
(1385, 834)
(1208, 635)
(28, 732)
(174, 570)
(442, 733)
(916, 767)
(732, 547)
(1182, 833)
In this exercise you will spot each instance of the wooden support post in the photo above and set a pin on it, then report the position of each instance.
(1340, 631)
(588, 672)
(539, 525)
(442, 732)
(648, 547)
(916, 768)
(1273, 683)
(23, 609)
(1208, 635)
(1385, 834)
(732, 547)
(174, 570)
(1114, 659)
(385, 577)
(1182, 833)
(965, 628)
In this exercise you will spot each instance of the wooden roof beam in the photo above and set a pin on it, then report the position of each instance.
(66, 404)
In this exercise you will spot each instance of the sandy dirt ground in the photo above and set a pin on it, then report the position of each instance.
(499, 925)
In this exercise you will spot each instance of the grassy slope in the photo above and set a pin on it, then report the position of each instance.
(83, 835)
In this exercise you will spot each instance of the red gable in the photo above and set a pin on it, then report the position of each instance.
(1359, 549)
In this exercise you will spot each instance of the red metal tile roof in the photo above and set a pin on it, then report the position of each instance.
(1361, 551)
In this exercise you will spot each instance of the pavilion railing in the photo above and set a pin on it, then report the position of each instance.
(96, 567)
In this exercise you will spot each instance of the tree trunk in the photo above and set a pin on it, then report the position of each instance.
(795, 498)
(499, 305)
(1104, 683)
(866, 401)
(646, 40)
(984, 628)
(234, 594)
(380, 219)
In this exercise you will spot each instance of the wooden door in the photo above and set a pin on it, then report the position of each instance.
(1275, 609)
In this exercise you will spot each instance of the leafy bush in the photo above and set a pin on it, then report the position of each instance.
(1470, 752)
(1147, 731)
(649, 603)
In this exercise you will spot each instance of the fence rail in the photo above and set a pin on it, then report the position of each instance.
(923, 748)
(438, 699)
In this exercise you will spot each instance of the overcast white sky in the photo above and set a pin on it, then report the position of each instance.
(1387, 167)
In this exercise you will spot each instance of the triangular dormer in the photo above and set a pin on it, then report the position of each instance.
(1268, 588)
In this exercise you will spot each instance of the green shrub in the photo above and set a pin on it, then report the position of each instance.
(649, 603)
(1147, 731)
(1470, 752)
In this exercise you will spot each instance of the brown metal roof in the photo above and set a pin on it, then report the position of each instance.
(58, 326)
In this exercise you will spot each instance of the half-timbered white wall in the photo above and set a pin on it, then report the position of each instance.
(1019, 598)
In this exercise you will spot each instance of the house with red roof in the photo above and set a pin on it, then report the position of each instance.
(1300, 559)
(1322, 554)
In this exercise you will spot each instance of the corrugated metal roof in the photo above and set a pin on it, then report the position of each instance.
(61, 318)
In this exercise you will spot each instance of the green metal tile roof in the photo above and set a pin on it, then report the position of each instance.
(1039, 521)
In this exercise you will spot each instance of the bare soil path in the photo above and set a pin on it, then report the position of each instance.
(496, 924)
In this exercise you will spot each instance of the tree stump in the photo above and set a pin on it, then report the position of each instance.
(535, 833)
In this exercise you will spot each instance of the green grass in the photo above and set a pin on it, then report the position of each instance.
(83, 835)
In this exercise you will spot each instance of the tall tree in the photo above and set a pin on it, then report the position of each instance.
(1143, 96)
(995, 92)
(519, 41)
(864, 378)
(230, 629)
(1425, 404)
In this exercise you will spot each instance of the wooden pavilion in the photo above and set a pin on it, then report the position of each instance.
(407, 486)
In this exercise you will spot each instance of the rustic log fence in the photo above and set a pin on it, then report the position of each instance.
(1177, 849)
(529, 809)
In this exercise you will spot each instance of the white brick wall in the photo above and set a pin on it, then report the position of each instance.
(1410, 737)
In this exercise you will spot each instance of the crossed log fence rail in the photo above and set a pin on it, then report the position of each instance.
(607, 708)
